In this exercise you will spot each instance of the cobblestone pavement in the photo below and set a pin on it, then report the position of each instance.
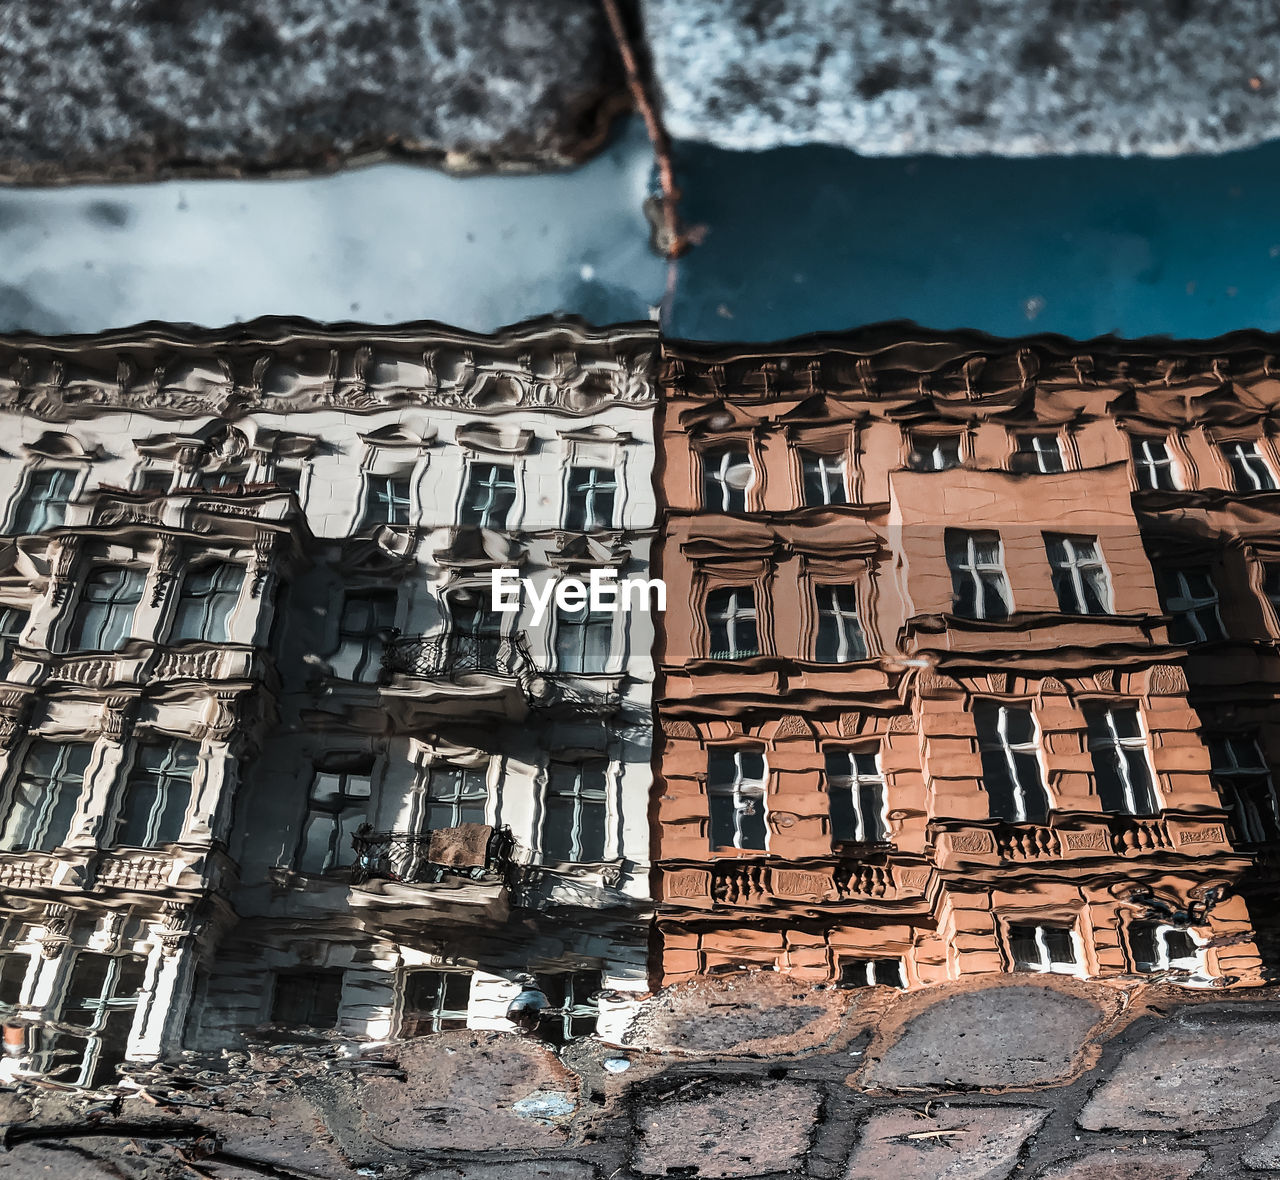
(1046, 1080)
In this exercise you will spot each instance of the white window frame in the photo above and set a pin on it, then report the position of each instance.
(1040, 451)
(1082, 554)
(929, 452)
(1047, 966)
(1148, 466)
(225, 570)
(109, 604)
(744, 792)
(718, 464)
(853, 782)
(49, 512)
(1248, 465)
(597, 479)
(1188, 605)
(164, 778)
(440, 1012)
(831, 472)
(735, 613)
(851, 638)
(975, 570)
(581, 623)
(337, 856)
(486, 492)
(1165, 962)
(583, 803)
(870, 971)
(1118, 745)
(379, 492)
(1008, 749)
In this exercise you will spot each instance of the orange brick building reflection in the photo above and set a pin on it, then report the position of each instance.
(969, 659)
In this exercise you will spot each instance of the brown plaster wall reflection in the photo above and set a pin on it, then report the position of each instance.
(837, 512)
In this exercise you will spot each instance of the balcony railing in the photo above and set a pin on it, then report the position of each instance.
(446, 656)
(407, 857)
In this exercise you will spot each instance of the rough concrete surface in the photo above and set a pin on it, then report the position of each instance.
(943, 1143)
(723, 1129)
(1194, 1076)
(1002, 1036)
(138, 88)
(1157, 77)
(443, 1107)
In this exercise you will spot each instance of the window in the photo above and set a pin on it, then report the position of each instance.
(823, 479)
(731, 623)
(1037, 453)
(1153, 465)
(103, 618)
(387, 500)
(573, 828)
(337, 805)
(155, 479)
(573, 1005)
(14, 968)
(726, 475)
(1011, 770)
(44, 796)
(363, 629)
(934, 452)
(1249, 470)
(1120, 766)
(978, 581)
(306, 999)
(489, 496)
(44, 500)
(1157, 947)
(289, 478)
(206, 598)
(13, 622)
(1248, 790)
(735, 798)
(857, 798)
(582, 640)
(1271, 585)
(840, 639)
(872, 973)
(475, 641)
(591, 495)
(100, 1001)
(157, 793)
(1190, 596)
(434, 1001)
(1043, 948)
(1079, 575)
(223, 479)
(456, 795)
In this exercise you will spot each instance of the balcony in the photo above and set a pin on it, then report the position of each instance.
(488, 676)
(403, 882)
(139, 662)
(158, 873)
(203, 510)
(756, 884)
(1082, 837)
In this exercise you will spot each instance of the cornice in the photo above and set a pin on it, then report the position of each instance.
(284, 365)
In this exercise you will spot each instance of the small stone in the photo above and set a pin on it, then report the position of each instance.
(1195, 1076)
(617, 1064)
(999, 1036)
(949, 1143)
(1124, 1164)
(720, 1129)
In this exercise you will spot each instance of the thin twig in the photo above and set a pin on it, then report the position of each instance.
(672, 240)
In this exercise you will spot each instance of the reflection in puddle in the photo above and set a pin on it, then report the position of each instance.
(957, 676)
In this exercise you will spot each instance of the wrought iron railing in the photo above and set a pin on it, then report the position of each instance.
(406, 857)
(452, 655)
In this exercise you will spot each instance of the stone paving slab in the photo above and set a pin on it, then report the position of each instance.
(722, 1128)
(999, 1036)
(546, 1169)
(947, 1143)
(985, 76)
(1129, 1164)
(139, 88)
(1198, 1075)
